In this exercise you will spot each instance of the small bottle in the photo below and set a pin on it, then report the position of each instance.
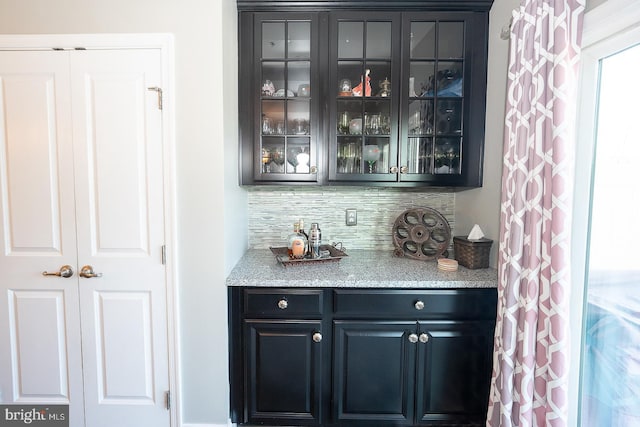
(297, 246)
(306, 236)
(301, 228)
(315, 238)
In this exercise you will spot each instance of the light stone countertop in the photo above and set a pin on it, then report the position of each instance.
(361, 268)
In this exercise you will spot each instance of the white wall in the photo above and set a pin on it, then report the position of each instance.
(482, 205)
(210, 206)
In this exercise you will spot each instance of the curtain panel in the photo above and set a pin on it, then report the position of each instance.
(530, 371)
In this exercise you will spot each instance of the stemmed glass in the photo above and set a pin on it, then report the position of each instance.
(266, 161)
(451, 154)
(292, 157)
(371, 155)
(447, 158)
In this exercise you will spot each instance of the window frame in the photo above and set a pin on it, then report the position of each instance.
(608, 28)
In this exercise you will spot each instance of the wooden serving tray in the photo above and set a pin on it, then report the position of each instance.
(282, 256)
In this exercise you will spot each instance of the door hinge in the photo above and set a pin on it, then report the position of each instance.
(157, 90)
(167, 399)
(164, 254)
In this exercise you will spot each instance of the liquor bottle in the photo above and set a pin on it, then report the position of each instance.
(297, 246)
(304, 233)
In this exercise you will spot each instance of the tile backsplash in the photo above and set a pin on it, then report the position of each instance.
(273, 210)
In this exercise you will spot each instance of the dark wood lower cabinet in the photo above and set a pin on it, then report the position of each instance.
(454, 372)
(423, 358)
(374, 365)
(284, 371)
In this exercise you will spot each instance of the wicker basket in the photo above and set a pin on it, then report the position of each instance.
(472, 253)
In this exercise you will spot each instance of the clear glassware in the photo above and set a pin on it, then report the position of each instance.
(371, 154)
(277, 157)
(266, 161)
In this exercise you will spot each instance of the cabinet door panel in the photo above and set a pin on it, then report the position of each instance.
(283, 371)
(284, 125)
(373, 371)
(363, 96)
(442, 131)
(454, 371)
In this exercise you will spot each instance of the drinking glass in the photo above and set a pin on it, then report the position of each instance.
(372, 124)
(349, 158)
(292, 158)
(266, 161)
(371, 155)
(277, 157)
(267, 127)
(343, 123)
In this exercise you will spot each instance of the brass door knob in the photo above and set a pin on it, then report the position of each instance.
(65, 271)
(87, 272)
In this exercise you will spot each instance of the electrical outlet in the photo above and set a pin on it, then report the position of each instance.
(351, 217)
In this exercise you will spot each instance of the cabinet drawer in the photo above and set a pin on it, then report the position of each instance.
(283, 302)
(418, 304)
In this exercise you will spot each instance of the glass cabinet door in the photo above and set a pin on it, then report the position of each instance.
(362, 94)
(435, 98)
(286, 144)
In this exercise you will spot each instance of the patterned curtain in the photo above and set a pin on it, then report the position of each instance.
(530, 367)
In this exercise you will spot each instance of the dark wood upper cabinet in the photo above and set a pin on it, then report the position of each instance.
(362, 93)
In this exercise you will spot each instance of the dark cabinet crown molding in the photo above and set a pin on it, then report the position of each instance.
(440, 5)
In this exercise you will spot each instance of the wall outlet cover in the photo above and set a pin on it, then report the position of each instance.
(351, 217)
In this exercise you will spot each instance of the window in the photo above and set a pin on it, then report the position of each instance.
(610, 392)
(605, 363)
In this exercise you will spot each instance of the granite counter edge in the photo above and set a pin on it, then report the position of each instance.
(436, 284)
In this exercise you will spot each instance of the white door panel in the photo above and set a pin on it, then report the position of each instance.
(40, 354)
(120, 226)
(35, 152)
(123, 320)
(119, 164)
(37, 326)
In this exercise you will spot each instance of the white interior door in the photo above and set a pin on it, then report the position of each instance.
(81, 155)
(40, 354)
(119, 189)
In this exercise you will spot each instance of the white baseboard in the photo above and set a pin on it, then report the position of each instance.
(205, 425)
